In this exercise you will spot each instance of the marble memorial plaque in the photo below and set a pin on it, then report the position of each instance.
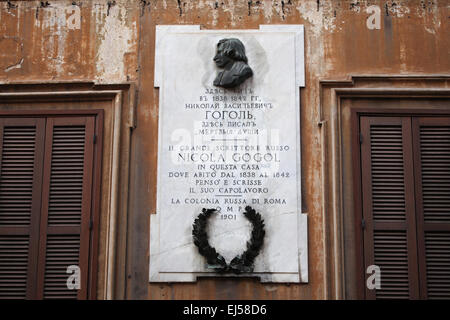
(227, 148)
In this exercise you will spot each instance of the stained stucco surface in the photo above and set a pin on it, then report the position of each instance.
(113, 42)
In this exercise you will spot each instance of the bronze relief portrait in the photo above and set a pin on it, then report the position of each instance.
(231, 57)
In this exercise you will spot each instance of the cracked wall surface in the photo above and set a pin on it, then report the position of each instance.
(113, 42)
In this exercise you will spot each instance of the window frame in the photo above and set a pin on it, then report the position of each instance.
(118, 102)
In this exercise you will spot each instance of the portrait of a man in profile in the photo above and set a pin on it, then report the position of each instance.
(231, 57)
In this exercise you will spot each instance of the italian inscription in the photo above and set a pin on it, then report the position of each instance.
(234, 158)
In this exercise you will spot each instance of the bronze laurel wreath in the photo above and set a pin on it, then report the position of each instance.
(239, 264)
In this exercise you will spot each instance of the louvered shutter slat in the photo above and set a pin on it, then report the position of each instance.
(14, 251)
(66, 209)
(437, 259)
(390, 252)
(435, 174)
(387, 168)
(16, 197)
(61, 251)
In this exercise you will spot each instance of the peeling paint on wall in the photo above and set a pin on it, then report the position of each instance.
(15, 66)
(11, 53)
(117, 36)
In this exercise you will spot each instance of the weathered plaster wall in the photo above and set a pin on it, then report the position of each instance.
(113, 41)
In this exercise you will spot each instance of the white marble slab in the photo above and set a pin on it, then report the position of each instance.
(249, 138)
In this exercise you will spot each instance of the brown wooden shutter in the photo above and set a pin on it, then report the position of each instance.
(432, 179)
(66, 205)
(388, 205)
(21, 144)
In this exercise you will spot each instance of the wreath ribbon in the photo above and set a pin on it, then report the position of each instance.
(241, 263)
